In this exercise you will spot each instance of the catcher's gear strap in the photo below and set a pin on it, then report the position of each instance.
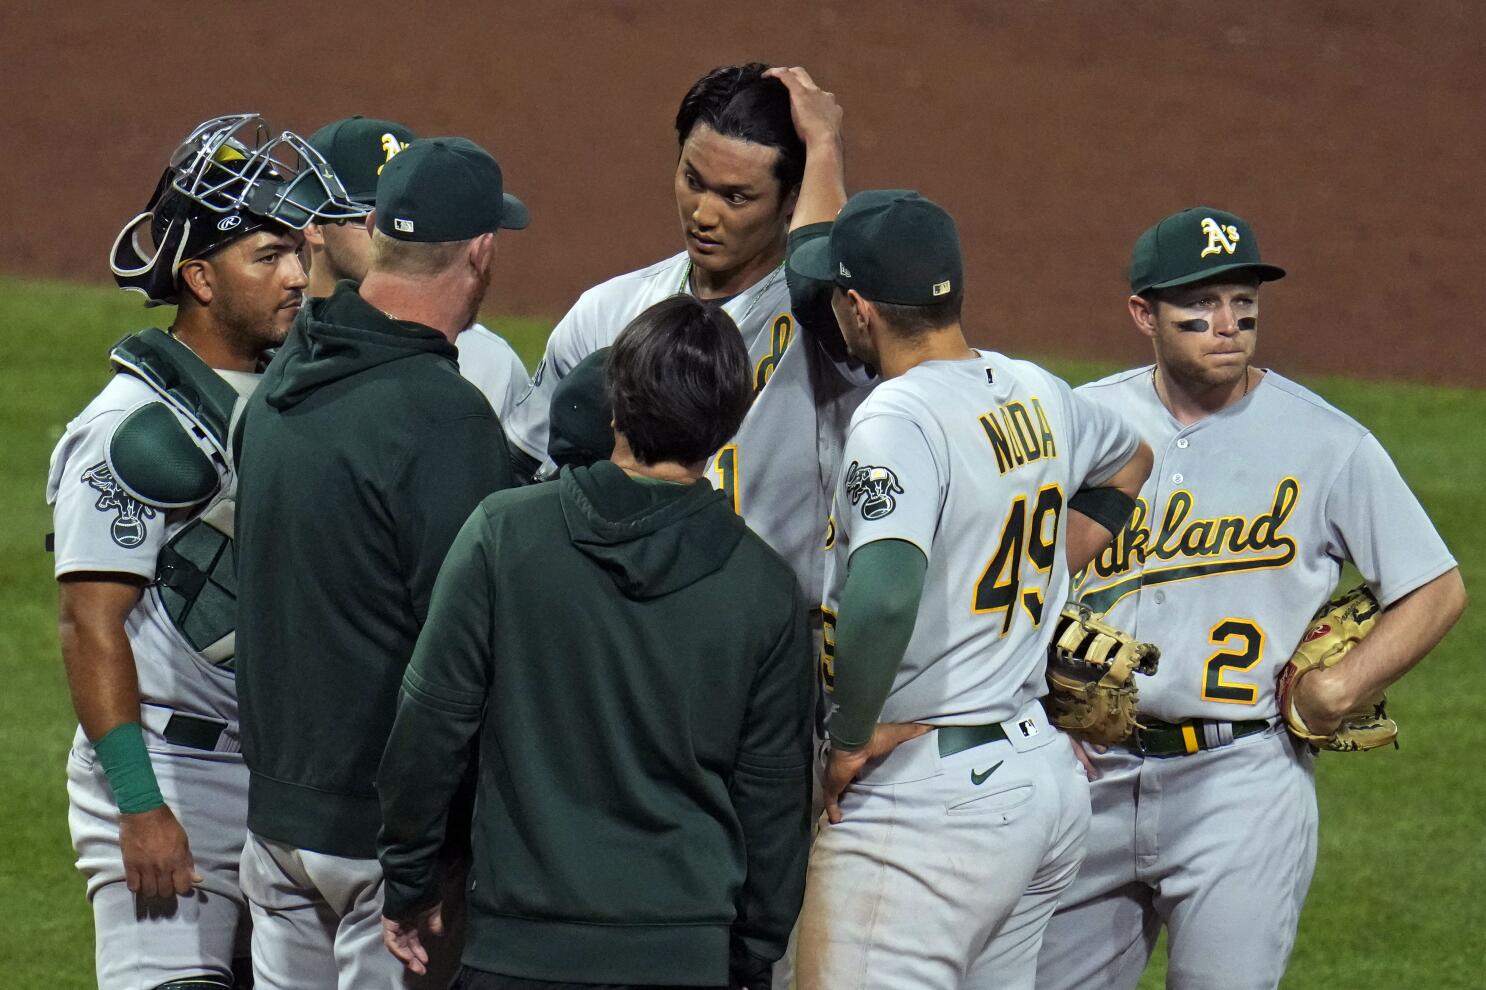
(181, 378)
(1109, 507)
(196, 577)
(878, 609)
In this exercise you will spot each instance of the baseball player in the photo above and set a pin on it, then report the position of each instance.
(358, 148)
(964, 812)
(142, 488)
(747, 174)
(1205, 820)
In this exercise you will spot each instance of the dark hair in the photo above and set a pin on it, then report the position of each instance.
(912, 321)
(677, 379)
(737, 101)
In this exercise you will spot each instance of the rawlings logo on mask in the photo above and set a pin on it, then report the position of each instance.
(874, 487)
(128, 529)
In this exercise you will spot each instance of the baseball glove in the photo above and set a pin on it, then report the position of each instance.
(1091, 668)
(1338, 626)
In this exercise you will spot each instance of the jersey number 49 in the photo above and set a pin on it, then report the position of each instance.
(1016, 578)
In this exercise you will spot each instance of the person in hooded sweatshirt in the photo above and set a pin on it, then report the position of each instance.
(635, 663)
(361, 456)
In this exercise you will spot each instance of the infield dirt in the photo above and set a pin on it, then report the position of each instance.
(1349, 133)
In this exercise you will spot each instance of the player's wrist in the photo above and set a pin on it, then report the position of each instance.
(126, 763)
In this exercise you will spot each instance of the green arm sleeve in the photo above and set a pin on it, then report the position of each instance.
(439, 712)
(884, 581)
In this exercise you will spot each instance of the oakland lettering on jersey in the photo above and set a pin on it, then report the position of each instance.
(1015, 438)
(1246, 543)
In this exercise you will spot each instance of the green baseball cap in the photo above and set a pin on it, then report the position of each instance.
(890, 245)
(445, 189)
(357, 148)
(580, 422)
(1193, 246)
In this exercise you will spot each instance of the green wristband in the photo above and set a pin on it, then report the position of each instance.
(126, 763)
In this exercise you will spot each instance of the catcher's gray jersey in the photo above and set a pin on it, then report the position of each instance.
(973, 462)
(1240, 534)
(778, 467)
(99, 527)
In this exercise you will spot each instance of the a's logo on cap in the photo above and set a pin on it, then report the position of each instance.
(390, 146)
(406, 226)
(941, 288)
(1220, 240)
(845, 272)
(227, 223)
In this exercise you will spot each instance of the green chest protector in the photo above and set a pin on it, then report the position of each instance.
(163, 462)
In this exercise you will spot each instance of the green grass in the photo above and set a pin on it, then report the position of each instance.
(1397, 894)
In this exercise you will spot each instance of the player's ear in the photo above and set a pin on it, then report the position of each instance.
(1143, 312)
(370, 222)
(481, 254)
(199, 279)
(314, 235)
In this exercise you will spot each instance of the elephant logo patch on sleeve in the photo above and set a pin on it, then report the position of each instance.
(128, 529)
(874, 487)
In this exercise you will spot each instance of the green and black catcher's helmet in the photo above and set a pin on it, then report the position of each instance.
(226, 180)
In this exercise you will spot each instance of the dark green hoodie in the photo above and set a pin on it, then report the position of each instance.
(363, 452)
(636, 664)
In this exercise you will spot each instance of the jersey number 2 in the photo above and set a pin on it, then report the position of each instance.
(1031, 535)
(1246, 651)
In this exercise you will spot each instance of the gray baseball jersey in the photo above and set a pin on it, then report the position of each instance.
(951, 855)
(777, 469)
(973, 462)
(492, 365)
(100, 528)
(1240, 534)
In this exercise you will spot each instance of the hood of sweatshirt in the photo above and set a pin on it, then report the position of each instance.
(340, 336)
(651, 538)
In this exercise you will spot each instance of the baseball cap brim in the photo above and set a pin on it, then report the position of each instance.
(1264, 273)
(513, 213)
(813, 260)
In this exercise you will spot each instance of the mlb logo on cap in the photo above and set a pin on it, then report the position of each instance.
(406, 226)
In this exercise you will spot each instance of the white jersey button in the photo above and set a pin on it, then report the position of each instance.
(1160, 598)
(1176, 479)
(1184, 443)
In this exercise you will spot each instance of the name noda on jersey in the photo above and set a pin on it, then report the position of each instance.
(972, 462)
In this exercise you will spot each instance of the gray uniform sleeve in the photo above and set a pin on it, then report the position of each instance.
(568, 344)
(1103, 440)
(98, 526)
(1377, 523)
(891, 487)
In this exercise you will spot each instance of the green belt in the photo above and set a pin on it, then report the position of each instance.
(197, 733)
(1157, 738)
(958, 738)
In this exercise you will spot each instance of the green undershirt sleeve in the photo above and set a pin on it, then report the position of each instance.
(884, 581)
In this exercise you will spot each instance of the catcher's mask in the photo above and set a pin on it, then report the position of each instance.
(226, 180)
